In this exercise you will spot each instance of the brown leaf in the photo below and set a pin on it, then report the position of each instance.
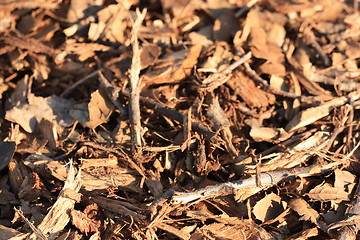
(51, 108)
(344, 180)
(304, 210)
(96, 112)
(268, 208)
(173, 67)
(326, 192)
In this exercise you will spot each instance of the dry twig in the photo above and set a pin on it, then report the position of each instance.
(249, 186)
(135, 84)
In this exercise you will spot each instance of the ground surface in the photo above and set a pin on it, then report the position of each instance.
(179, 119)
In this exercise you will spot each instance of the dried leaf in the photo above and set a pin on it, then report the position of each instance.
(268, 208)
(306, 212)
(344, 180)
(95, 113)
(53, 108)
(326, 192)
(173, 67)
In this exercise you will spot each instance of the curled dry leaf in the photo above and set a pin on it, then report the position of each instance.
(96, 112)
(306, 212)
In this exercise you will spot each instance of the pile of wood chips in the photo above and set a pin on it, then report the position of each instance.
(168, 119)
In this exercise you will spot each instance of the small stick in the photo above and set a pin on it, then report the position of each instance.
(37, 232)
(249, 186)
(135, 84)
(219, 78)
(78, 83)
(266, 85)
(237, 63)
(174, 115)
(112, 93)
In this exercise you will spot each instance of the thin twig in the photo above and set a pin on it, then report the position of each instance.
(268, 179)
(135, 84)
(217, 79)
(271, 89)
(113, 94)
(237, 63)
(78, 83)
(37, 232)
(174, 115)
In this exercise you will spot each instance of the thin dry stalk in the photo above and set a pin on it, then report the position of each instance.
(135, 84)
(37, 232)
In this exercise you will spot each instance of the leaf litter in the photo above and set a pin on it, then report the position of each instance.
(179, 119)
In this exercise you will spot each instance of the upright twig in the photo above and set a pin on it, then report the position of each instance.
(135, 84)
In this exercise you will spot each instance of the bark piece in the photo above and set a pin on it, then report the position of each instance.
(313, 114)
(58, 216)
(119, 207)
(17, 174)
(32, 187)
(7, 233)
(46, 166)
(247, 90)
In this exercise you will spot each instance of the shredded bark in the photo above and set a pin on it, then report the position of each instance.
(179, 119)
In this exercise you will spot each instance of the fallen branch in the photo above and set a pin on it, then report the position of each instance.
(248, 187)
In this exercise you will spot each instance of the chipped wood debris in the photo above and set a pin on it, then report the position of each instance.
(201, 119)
